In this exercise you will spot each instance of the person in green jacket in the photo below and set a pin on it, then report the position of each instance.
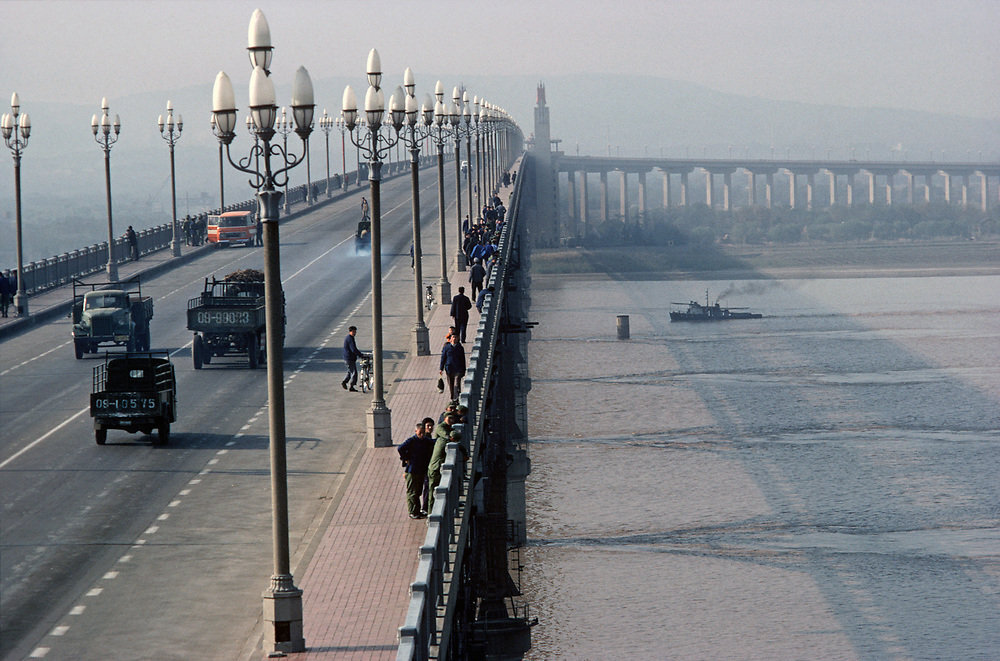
(443, 434)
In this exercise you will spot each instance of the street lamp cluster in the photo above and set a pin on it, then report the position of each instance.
(106, 134)
(16, 129)
(282, 600)
(171, 132)
(375, 145)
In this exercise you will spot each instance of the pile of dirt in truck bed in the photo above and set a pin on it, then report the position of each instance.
(245, 275)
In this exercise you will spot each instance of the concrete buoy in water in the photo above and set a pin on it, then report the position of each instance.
(623, 327)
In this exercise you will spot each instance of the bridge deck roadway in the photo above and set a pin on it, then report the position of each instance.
(355, 575)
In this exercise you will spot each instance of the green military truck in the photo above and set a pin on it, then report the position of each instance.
(229, 318)
(134, 392)
(114, 313)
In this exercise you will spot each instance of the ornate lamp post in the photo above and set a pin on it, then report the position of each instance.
(413, 136)
(438, 135)
(326, 125)
(477, 118)
(343, 151)
(102, 130)
(222, 188)
(16, 130)
(284, 126)
(468, 129)
(282, 600)
(168, 133)
(455, 119)
(375, 146)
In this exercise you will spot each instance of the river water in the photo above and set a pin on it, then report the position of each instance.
(822, 483)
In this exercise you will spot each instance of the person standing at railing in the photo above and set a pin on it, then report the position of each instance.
(415, 453)
(443, 434)
(133, 243)
(477, 275)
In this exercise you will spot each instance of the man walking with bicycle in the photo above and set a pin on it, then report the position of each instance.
(351, 355)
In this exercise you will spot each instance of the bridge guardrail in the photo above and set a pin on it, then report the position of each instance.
(441, 554)
(52, 272)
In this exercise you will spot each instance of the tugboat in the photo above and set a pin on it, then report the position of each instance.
(697, 312)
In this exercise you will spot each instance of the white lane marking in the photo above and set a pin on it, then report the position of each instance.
(41, 355)
(151, 530)
(62, 424)
(77, 610)
(125, 558)
(59, 631)
(95, 592)
(39, 652)
(163, 517)
(110, 576)
(44, 436)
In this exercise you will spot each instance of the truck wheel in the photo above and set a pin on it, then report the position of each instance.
(101, 436)
(197, 351)
(162, 433)
(78, 349)
(252, 351)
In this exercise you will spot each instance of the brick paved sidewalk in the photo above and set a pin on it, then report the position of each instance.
(356, 587)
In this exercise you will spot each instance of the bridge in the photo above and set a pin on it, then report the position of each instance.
(117, 550)
(175, 539)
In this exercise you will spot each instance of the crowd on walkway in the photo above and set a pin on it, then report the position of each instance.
(423, 453)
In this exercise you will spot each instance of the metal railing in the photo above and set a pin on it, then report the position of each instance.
(59, 270)
(431, 610)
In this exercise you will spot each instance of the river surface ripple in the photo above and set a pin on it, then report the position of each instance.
(821, 483)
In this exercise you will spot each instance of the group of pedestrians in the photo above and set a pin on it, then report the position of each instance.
(423, 454)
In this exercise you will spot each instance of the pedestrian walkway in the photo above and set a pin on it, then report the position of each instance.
(356, 587)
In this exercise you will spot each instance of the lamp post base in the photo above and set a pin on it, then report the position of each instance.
(460, 260)
(421, 342)
(444, 292)
(175, 248)
(379, 427)
(112, 271)
(21, 309)
(283, 617)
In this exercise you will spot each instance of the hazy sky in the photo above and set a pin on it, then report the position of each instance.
(936, 55)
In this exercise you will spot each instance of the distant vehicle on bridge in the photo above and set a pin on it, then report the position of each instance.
(232, 227)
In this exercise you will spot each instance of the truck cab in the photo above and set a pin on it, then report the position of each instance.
(114, 316)
(232, 227)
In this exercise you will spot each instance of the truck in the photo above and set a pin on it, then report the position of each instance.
(110, 313)
(135, 392)
(229, 318)
(232, 227)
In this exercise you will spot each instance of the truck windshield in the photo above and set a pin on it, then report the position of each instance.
(98, 300)
(235, 221)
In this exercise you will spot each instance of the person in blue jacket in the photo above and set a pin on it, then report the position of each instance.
(415, 454)
(351, 355)
(453, 364)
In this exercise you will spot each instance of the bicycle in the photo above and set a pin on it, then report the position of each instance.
(366, 377)
(429, 296)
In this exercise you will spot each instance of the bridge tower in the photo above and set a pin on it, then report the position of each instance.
(545, 223)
